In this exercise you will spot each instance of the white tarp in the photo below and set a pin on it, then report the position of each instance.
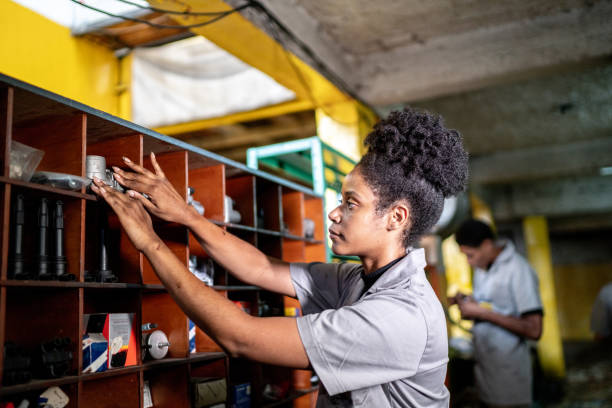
(194, 79)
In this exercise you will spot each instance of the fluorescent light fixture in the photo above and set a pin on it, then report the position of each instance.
(606, 171)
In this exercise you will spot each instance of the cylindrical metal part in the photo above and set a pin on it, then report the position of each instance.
(95, 166)
(157, 344)
(43, 225)
(17, 264)
(60, 259)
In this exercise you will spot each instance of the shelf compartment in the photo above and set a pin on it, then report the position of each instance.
(242, 191)
(209, 189)
(73, 209)
(62, 138)
(51, 313)
(269, 205)
(123, 259)
(293, 212)
(121, 391)
(315, 249)
(32, 394)
(161, 309)
(169, 387)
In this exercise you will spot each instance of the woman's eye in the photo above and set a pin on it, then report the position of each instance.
(350, 205)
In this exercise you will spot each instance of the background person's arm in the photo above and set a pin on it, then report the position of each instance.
(528, 325)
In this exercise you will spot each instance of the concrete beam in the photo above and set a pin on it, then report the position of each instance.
(585, 157)
(555, 198)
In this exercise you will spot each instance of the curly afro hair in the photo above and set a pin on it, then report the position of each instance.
(412, 157)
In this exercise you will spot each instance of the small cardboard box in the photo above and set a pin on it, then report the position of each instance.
(95, 353)
(241, 395)
(119, 330)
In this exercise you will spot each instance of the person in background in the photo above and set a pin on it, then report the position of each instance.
(507, 312)
(601, 315)
(374, 333)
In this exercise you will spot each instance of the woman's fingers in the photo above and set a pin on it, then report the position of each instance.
(156, 166)
(137, 168)
(135, 195)
(133, 181)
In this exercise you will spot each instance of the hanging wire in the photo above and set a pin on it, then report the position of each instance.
(176, 26)
(183, 13)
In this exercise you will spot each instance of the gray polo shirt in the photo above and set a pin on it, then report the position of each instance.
(385, 348)
(503, 364)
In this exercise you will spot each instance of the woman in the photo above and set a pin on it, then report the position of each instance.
(375, 333)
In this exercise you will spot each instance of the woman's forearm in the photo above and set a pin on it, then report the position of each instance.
(240, 258)
(269, 340)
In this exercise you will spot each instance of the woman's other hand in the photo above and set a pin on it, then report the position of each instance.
(164, 201)
(132, 215)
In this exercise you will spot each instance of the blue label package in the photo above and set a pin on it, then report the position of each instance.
(95, 348)
(241, 396)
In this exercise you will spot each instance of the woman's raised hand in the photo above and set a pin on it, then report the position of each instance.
(132, 215)
(164, 201)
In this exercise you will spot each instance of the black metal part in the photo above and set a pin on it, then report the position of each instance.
(54, 358)
(17, 268)
(17, 365)
(43, 226)
(104, 273)
(60, 260)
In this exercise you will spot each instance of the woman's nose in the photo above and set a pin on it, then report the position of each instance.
(334, 215)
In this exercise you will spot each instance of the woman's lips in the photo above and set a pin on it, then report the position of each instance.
(333, 234)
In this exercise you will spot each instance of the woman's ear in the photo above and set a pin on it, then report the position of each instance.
(399, 217)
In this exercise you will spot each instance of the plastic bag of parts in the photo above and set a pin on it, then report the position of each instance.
(60, 180)
(24, 160)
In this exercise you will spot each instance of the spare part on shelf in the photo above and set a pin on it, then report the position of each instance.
(24, 160)
(60, 180)
(309, 228)
(43, 272)
(203, 269)
(155, 344)
(60, 259)
(54, 358)
(148, 326)
(95, 353)
(53, 397)
(192, 202)
(96, 167)
(17, 365)
(229, 213)
(17, 267)
(105, 274)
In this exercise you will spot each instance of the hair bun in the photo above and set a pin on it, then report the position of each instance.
(424, 147)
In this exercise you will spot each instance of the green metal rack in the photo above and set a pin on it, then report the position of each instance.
(313, 163)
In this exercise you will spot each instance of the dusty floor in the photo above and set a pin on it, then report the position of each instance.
(588, 382)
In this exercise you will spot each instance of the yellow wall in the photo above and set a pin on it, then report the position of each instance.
(576, 287)
(38, 51)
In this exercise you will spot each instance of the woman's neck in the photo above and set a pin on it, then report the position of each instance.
(370, 264)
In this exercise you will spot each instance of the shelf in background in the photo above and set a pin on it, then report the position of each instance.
(48, 189)
(37, 384)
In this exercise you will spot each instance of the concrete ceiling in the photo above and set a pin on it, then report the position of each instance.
(527, 83)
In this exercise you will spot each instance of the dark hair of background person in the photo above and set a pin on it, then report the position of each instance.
(472, 233)
(412, 156)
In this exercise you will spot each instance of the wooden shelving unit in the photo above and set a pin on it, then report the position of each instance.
(33, 311)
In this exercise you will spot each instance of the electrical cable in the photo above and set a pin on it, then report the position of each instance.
(300, 75)
(165, 11)
(277, 25)
(178, 26)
